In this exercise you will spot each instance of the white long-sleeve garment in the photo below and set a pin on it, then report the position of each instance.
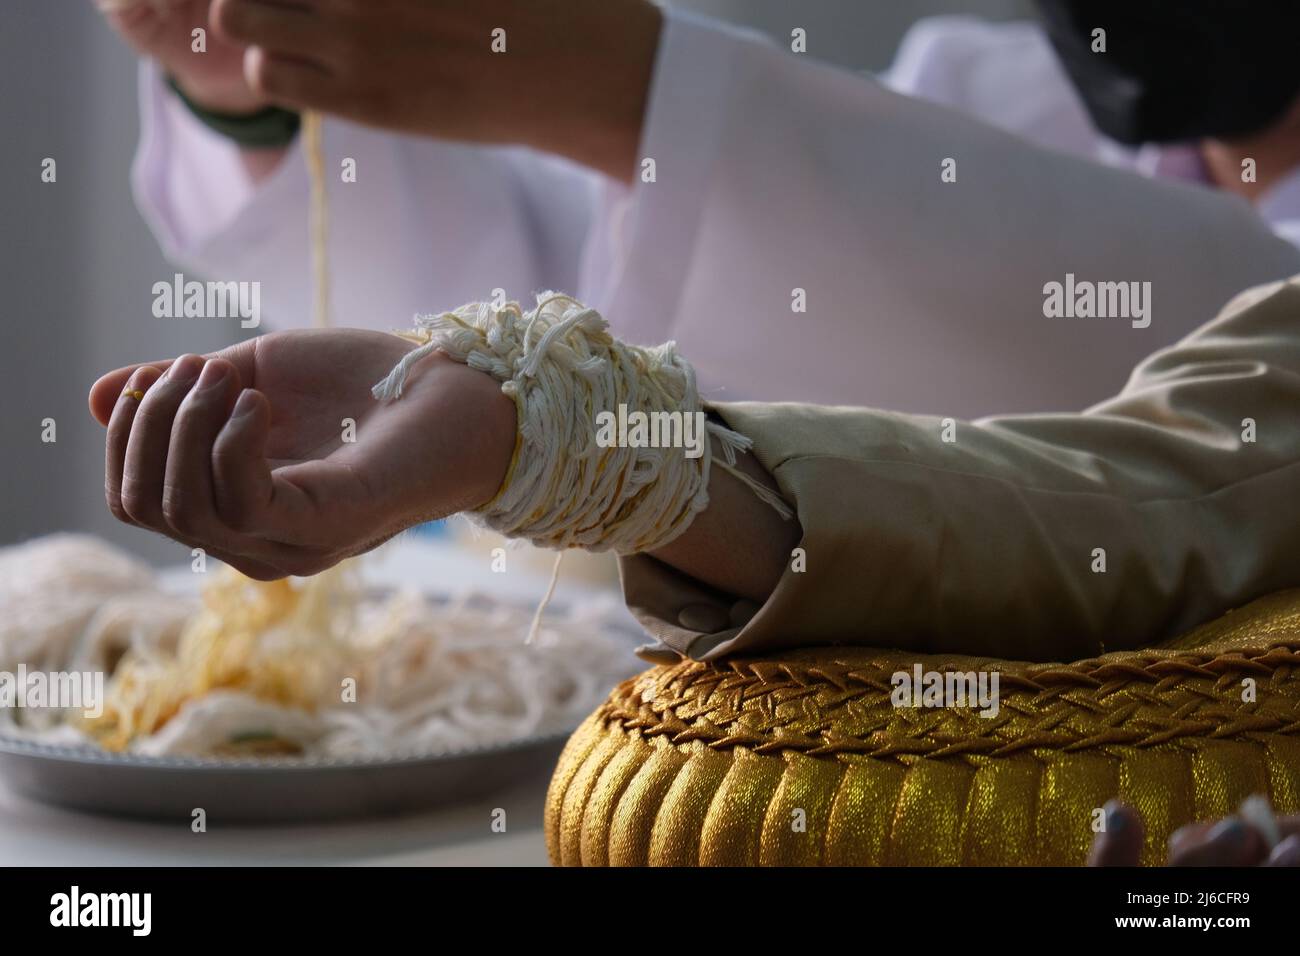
(773, 174)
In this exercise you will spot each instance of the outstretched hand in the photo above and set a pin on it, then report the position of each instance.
(274, 457)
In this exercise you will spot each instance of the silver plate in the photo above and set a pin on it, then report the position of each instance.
(271, 790)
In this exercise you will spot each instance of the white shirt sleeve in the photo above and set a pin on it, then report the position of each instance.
(427, 225)
(778, 179)
(1004, 73)
(775, 180)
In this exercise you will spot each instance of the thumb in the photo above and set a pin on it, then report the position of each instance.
(286, 505)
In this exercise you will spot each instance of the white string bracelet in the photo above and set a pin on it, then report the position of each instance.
(562, 368)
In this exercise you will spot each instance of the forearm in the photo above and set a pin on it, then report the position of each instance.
(597, 114)
(1040, 537)
(738, 544)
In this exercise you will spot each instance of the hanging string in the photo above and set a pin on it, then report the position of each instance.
(318, 217)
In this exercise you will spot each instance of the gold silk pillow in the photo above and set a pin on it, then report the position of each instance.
(801, 758)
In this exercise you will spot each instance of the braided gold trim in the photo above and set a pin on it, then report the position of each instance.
(841, 704)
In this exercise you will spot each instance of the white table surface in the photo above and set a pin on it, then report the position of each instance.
(33, 834)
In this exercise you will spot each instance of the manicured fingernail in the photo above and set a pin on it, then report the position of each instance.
(185, 369)
(244, 404)
(1116, 819)
(213, 374)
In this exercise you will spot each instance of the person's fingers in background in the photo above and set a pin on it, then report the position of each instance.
(211, 75)
(297, 84)
(292, 53)
(1120, 843)
(1234, 841)
(1230, 842)
(433, 68)
(1227, 842)
(283, 28)
(1287, 850)
(1286, 853)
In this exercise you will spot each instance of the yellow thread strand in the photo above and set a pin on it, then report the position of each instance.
(318, 222)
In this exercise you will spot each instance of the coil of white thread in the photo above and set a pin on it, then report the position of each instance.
(561, 366)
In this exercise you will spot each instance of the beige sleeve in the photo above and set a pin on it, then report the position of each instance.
(1186, 485)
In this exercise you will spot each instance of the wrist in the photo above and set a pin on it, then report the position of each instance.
(478, 461)
(268, 129)
(232, 99)
(502, 445)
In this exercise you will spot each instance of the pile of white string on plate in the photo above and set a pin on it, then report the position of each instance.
(427, 676)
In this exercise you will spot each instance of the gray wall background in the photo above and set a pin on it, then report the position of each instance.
(78, 262)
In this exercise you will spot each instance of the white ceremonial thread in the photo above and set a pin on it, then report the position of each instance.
(313, 151)
(561, 367)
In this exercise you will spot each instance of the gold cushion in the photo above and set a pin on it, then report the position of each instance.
(801, 758)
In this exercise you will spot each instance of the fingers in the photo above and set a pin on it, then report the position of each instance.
(1120, 843)
(1230, 842)
(123, 416)
(144, 464)
(108, 389)
(241, 476)
(250, 567)
(1286, 853)
(161, 456)
(106, 393)
(253, 500)
(283, 29)
(123, 411)
(1227, 842)
(294, 83)
(188, 504)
